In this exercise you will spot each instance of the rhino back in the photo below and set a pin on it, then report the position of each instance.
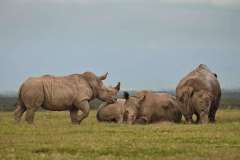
(31, 92)
(160, 107)
(167, 109)
(61, 92)
(110, 112)
(54, 93)
(201, 79)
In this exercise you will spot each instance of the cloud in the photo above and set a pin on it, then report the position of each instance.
(211, 2)
(215, 3)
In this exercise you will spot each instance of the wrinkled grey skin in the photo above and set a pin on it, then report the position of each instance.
(148, 107)
(70, 93)
(199, 93)
(111, 112)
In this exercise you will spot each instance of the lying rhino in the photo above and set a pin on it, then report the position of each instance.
(70, 93)
(200, 94)
(149, 107)
(111, 112)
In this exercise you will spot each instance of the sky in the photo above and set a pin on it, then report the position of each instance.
(144, 44)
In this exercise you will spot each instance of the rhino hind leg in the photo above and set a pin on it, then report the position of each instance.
(212, 112)
(20, 109)
(211, 116)
(30, 114)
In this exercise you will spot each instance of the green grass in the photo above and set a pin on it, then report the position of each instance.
(53, 137)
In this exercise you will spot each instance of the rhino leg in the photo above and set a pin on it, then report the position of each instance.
(141, 120)
(120, 119)
(212, 112)
(74, 116)
(198, 118)
(30, 114)
(204, 116)
(19, 112)
(188, 118)
(84, 107)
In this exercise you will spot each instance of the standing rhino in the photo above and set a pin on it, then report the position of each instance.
(70, 93)
(149, 107)
(200, 94)
(111, 112)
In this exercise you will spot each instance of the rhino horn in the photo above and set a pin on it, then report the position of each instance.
(117, 87)
(103, 77)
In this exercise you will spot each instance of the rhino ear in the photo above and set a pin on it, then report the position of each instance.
(126, 95)
(190, 91)
(141, 98)
(103, 77)
(117, 87)
(215, 74)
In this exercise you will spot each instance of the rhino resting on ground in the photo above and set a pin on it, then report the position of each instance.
(148, 107)
(70, 93)
(200, 94)
(111, 112)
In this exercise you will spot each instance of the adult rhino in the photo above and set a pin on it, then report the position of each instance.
(70, 93)
(200, 94)
(111, 112)
(149, 107)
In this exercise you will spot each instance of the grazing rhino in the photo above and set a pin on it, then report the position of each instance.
(200, 94)
(70, 93)
(111, 112)
(149, 107)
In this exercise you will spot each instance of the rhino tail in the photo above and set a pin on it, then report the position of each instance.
(20, 107)
(19, 98)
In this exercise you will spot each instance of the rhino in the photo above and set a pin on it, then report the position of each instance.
(148, 107)
(67, 93)
(199, 92)
(111, 112)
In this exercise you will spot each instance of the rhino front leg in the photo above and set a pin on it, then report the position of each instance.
(74, 116)
(198, 118)
(204, 115)
(84, 107)
(141, 120)
(120, 119)
(189, 119)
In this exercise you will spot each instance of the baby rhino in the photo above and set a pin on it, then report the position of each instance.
(148, 107)
(111, 112)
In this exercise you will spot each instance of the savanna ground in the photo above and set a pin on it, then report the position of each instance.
(54, 137)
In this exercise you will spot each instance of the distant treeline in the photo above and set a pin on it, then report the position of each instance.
(230, 99)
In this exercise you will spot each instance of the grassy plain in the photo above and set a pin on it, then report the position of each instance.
(53, 137)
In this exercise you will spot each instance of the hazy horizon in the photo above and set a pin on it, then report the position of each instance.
(143, 44)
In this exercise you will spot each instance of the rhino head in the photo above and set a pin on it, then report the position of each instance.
(105, 93)
(198, 101)
(132, 106)
(202, 101)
